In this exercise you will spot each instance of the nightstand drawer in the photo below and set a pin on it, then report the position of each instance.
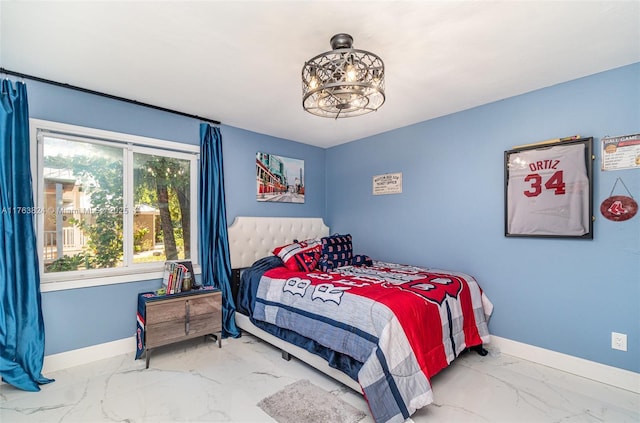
(177, 308)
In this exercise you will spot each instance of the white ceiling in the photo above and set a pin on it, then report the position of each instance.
(240, 62)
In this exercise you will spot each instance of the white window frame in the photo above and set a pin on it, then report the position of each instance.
(131, 144)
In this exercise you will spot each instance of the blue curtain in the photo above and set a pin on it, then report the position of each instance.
(214, 241)
(21, 322)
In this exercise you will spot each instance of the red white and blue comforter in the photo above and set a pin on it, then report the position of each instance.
(404, 323)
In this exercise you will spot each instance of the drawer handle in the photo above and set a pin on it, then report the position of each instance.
(186, 317)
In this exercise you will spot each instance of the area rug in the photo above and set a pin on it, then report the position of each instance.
(304, 402)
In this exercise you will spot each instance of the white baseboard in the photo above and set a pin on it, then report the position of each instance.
(86, 355)
(610, 375)
(614, 376)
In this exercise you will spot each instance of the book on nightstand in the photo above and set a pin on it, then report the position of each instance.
(175, 272)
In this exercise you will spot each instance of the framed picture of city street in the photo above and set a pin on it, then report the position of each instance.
(279, 179)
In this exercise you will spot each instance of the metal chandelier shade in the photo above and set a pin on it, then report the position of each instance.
(344, 82)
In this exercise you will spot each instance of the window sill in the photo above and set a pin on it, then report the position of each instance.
(94, 280)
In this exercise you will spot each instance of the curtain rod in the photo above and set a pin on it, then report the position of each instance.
(113, 97)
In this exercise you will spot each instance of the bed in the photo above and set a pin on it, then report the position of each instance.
(383, 329)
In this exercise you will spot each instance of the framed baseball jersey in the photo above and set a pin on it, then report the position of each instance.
(549, 190)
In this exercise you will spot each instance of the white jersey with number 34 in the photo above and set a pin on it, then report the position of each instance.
(546, 191)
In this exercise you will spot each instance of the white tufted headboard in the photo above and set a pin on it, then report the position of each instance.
(252, 238)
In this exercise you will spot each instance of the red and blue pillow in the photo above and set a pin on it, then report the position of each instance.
(337, 251)
(302, 255)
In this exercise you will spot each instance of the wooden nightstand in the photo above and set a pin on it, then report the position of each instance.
(173, 318)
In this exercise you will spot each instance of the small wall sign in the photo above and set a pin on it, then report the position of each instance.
(390, 183)
(621, 152)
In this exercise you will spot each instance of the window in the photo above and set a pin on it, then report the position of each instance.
(111, 207)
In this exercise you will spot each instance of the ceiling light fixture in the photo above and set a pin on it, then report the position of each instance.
(343, 82)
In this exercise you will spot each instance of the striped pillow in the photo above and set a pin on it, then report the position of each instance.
(303, 255)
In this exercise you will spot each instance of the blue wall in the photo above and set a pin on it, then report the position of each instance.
(107, 313)
(559, 294)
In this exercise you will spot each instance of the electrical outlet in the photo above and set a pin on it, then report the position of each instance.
(619, 341)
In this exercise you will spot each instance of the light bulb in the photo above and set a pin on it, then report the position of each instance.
(375, 77)
(313, 82)
(350, 73)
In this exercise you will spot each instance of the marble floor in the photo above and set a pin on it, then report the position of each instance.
(195, 381)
